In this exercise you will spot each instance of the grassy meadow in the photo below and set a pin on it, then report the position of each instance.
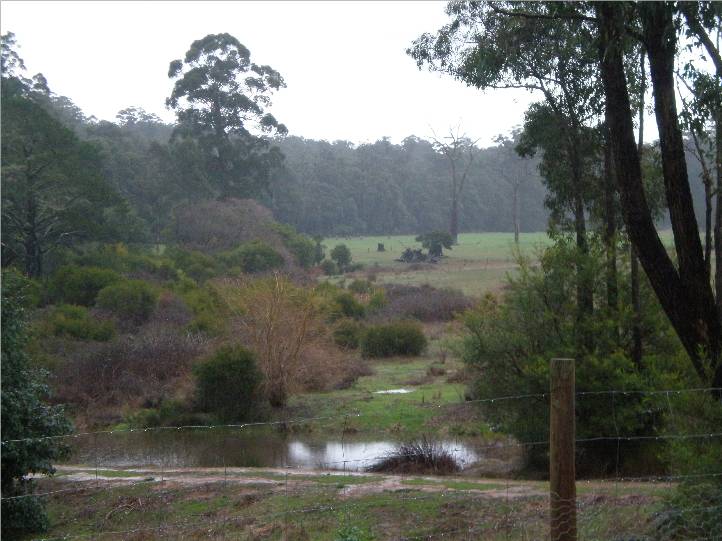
(477, 264)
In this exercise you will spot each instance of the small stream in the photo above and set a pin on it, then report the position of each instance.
(219, 447)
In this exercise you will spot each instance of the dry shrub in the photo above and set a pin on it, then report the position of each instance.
(214, 226)
(133, 370)
(281, 323)
(418, 457)
(435, 370)
(424, 303)
(171, 310)
(284, 325)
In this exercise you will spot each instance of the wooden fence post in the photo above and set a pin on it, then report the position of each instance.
(562, 473)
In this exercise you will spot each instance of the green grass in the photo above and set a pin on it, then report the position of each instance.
(479, 263)
(455, 485)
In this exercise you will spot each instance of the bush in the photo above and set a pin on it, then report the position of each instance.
(304, 249)
(329, 268)
(341, 255)
(256, 256)
(76, 322)
(130, 299)
(197, 265)
(397, 338)
(346, 305)
(209, 311)
(80, 285)
(435, 242)
(360, 286)
(424, 303)
(418, 457)
(347, 334)
(227, 384)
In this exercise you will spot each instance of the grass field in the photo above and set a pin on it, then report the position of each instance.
(479, 263)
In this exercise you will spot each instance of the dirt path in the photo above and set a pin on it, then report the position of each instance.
(350, 484)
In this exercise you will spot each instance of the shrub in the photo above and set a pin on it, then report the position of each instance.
(435, 242)
(329, 268)
(130, 299)
(377, 301)
(131, 370)
(209, 311)
(25, 414)
(424, 303)
(418, 457)
(304, 249)
(71, 284)
(341, 255)
(227, 384)
(256, 256)
(360, 286)
(346, 305)
(197, 265)
(347, 334)
(76, 322)
(397, 338)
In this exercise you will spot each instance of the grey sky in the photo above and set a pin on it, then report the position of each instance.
(345, 64)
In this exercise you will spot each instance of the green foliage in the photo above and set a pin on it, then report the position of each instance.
(76, 322)
(250, 257)
(304, 249)
(329, 267)
(377, 301)
(54, 192)
(435, 242)
(508, 347)
(197, 265)
(347, 333)
(122, 259)
(346, 305)
(24, 415)
(351, 532)
(218, 94)
(209, 311)
(341, 255)
(227, 384)
(397, 338)
(133, 300)
(71, 284)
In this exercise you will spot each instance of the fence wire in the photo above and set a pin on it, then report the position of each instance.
(161, 496)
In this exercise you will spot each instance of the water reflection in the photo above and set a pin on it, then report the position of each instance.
(198, 448)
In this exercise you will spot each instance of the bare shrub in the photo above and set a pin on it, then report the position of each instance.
(418, 457)
(133, 370)
(435, 370)
(424, 303)
(280, 323)
(171, 310)
(214, 226)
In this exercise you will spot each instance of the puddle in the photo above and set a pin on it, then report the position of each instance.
(394, 391)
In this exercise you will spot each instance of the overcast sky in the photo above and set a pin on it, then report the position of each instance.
(344, 62)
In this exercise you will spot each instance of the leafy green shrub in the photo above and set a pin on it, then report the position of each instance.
(209, 311)
(347, 334)
(435, 242)
(346, 305)
(71, 284)
(130, 299)
(76, 322)
(25, 414)
(329, 268)
(122, 259)
(303, 248)
(397, 338)
(227, 384)
(341, 255)
(250, 257)
(197, 265)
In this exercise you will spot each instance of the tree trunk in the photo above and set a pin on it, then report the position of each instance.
(637, 348)
(585, 294)
(685, 297)
(610, 230)
(454, 225)
(33, 250)
(515, 211)
(718, 212)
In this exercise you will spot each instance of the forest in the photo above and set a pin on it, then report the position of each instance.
(212, 324)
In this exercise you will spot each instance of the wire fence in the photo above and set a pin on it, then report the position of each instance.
(308, 478)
